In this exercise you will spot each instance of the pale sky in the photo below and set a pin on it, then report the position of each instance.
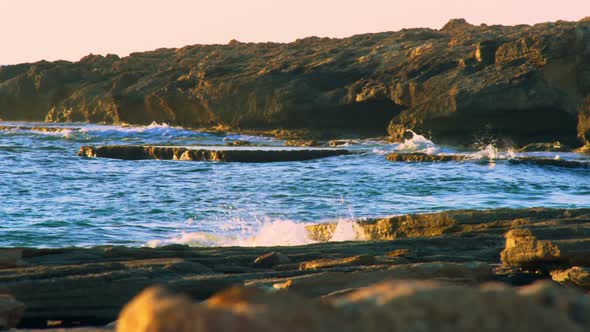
(31, 30)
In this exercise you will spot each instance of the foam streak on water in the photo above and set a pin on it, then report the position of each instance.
(52, 198)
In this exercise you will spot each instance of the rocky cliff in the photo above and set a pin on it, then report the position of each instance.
(457, 85)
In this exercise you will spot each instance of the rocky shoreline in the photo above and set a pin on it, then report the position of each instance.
(526, 87)
(398, 269)
(457, 85)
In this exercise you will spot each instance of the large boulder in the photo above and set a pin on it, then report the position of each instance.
(547, 247)
(412, 306)
(235, 309)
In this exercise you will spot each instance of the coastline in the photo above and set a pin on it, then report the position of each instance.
(304, 157)
(456, 85)
(466, 249)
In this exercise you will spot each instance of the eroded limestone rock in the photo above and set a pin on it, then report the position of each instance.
(135, 152)
(448, 84)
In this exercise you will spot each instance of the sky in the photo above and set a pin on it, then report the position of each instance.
(33, 30)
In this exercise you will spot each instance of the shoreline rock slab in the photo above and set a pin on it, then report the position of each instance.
(137, 152)
(89, 286)
(496, 222)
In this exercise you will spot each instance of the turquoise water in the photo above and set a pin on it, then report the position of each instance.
(49, 197)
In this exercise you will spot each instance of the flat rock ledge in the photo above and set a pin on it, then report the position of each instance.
(423, 157)
(406, 265)
(235, 154)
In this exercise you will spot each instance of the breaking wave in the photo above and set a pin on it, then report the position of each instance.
(269, 234)
(417, 143)
(490, 152)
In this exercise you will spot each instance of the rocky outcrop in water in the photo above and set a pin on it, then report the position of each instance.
(135, 152)
(423, 157)
(520, 84)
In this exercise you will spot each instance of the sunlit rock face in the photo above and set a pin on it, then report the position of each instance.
(523, 83)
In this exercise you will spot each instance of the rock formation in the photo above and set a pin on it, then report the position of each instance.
(388, 306)
(138, 152)
(463, 83)
(90, 286)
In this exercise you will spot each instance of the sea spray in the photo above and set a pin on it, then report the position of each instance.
(277, 233)
(270, 234)
(417, 143)
(491, 152)
(347, 230)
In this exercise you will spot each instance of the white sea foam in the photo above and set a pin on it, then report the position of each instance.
(157, 129)
(347, 230)
(417, 143)
(490, 152)
(269, 234)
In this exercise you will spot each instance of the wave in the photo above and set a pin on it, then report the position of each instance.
(420, 144)
(491, 152)
(417, 143)
(155, 133)
(269, 234)
(155, 130)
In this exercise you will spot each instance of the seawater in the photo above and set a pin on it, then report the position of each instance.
(49, 197)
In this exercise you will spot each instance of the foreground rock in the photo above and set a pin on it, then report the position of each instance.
(554, 246)
(450, 83)
(558, 249)
(11, 311)
(576, 276)
(135, 152)
(456, 247)
(391, 306)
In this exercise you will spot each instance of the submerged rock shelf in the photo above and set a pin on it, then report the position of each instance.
(259, 155)
(551, 162)
(455, 250)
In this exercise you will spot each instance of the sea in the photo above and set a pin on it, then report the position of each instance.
(50, 197)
